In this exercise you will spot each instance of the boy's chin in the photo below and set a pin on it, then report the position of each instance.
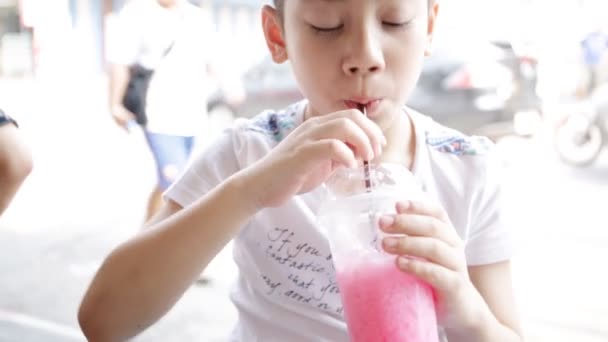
(389, 118)
(384, 111)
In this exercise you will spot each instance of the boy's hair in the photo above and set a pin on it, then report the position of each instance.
(278, 4)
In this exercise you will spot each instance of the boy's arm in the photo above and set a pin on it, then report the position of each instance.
(142, 279)
(500, 322)
(15, 163)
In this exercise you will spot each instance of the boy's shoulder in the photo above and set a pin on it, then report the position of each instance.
(273, 124)
(450, 141)
(460, 166)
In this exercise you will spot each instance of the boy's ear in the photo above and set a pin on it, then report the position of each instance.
(433, 11)
(273, 33)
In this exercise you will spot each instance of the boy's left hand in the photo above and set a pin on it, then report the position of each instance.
(439, 259)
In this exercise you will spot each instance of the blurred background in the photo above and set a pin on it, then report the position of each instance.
(530, 74)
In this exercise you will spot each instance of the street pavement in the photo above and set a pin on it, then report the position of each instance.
(88, 190)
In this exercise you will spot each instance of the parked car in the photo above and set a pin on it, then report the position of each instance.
(467, 86)
(477, 86)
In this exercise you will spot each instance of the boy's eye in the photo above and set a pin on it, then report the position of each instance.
(395, 24)
(326, 29)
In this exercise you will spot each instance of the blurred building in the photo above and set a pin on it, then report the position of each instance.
(71, 33)
(238, 24)
(38, 36)
(15, 41)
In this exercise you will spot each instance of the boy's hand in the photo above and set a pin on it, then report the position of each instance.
(311, 153)
(439, 259)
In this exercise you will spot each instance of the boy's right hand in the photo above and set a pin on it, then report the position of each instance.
(311, 153)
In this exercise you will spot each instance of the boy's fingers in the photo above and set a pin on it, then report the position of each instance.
(430, 208)
(427, 248)
(422, 207)
(420, 225)
(437, 276)
(333, 149)
(372, 131)
(349, 132)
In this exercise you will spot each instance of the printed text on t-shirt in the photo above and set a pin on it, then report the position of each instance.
(309, 277)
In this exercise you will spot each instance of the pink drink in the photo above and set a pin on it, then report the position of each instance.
(382, 303)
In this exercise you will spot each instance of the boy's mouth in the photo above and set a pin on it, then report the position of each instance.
(368, 104)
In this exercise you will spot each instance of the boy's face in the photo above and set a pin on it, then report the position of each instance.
(349, 52)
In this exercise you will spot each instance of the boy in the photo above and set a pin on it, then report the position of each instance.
(259, 186)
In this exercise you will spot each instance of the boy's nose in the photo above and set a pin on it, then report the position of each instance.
(365, 57)
(353, 70)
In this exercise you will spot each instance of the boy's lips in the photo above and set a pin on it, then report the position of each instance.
(369, 104)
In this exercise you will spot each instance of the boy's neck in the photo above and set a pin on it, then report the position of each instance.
(401, 142)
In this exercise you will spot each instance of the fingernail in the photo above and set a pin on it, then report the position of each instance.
(403, 206)
(384, 142)
(390, 243)
(386, 221)
(403, 261)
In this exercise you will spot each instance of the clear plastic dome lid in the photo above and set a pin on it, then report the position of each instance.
(384, 177)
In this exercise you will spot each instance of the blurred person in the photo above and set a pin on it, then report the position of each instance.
(15, 160)
(174, 40)
(594, 46)
(260, 184)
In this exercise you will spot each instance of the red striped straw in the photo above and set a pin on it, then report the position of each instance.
(366, 173)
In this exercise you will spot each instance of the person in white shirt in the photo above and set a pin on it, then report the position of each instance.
(259, 186)
(175, 39)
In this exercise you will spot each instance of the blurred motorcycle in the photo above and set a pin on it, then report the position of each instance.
(580, 136)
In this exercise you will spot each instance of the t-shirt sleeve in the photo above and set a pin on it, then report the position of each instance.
(489, 240)
(124, 35)
(235, 149)
(207, 170)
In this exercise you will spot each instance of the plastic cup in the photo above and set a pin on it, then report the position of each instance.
(381, 302)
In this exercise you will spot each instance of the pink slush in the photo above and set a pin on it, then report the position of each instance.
(382, 303)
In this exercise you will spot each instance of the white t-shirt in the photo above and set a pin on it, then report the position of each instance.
(177, 95)
(286, 288)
